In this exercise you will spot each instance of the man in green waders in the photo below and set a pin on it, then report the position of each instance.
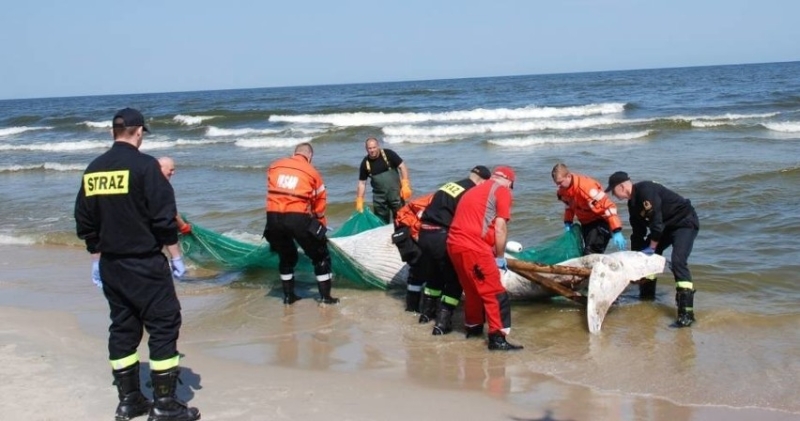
(388, 176)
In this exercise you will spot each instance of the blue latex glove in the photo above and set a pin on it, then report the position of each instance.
(178, 268)
(502, 264)
(96, 274)
(619, 240)
(567, 226)
(648, 251)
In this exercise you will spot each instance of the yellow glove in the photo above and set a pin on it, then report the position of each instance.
(360, 204)
(405, 189)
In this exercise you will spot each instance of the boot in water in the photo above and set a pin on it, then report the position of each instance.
(428, 308)
(444, 320)
(497, 342)
(289, 296)
(325, 293)
(647, 289)
(474, 331)
(412, 301)
(684, 298)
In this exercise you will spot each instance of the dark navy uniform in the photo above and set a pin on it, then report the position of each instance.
(126, 210)
(442, 288)
(661, 215)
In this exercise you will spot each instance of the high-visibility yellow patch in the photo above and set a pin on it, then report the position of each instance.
(452, 189)
(106, 183)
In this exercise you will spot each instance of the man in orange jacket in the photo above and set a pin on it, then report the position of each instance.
(585, 200)
(296, 202)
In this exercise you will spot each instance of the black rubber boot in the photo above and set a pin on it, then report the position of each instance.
(428, 308)
(474, 331)
(647, 289)
(497, 342)
(325, 292)
(412, 301)
(684, 298)
(289, 296)
(444, 320)
(132, 402)
(166, 406)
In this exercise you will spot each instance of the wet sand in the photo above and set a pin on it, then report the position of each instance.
(248, 357)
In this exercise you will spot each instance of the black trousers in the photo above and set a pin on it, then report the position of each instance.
(435, 265)
(141, 295)
(281, 232)
(681, 237)
(596, 235)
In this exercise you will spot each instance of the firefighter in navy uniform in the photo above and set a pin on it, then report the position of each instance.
(661, 218)
(296, 202)
(388, 176)
(125, 212)
(442, 290)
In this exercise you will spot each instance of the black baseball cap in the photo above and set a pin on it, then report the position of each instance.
(616, 179)
(483, 172)
(130, 118)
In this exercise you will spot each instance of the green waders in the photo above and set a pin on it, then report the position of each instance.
(386, 194)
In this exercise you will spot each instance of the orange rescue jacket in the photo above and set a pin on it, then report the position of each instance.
(586, 200)
(410, 214)
(295, 186)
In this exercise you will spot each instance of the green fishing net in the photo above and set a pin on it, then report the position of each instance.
(213, 250)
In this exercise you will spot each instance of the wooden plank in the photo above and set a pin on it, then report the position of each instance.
(551, 285)
(517, 265)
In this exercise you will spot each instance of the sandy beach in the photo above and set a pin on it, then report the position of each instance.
(247, 357)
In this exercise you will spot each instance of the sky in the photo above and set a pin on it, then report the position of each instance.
(62, 48)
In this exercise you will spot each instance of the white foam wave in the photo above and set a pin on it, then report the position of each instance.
(8, 131)
(270, 142)
(419, 140)
(786, 126)
(190, 142)
(479, 114)
(541, 140)
(50, 166)
(501, 127)
(17, 241)
(80, 145)
(192, 120)
(218, 132)
(97, 124)
(702, 123)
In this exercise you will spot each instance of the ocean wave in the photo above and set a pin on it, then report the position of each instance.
(16, 241)
(8, 131)
(541, 140)
(191, 120)
(503, 127)
(785, 126)
(270, 142)
(479, 114)
(47, 166)
(218, 132)
(96, 124)
(80, 145)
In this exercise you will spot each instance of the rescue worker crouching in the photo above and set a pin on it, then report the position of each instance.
(407, 227)
(296, 203)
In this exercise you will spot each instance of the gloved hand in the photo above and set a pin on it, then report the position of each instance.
(648, 251)
(96, 274)
(567, 226)
(405, 189)
(178, 268)
(185, 229)
(502, 263)
(359, 204)
(619, 240)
